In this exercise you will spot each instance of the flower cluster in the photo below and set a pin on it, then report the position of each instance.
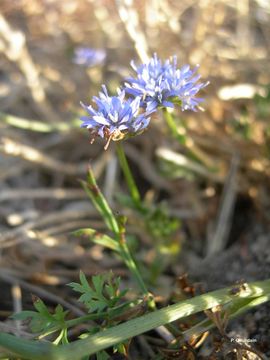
(163, 85)
(114, 116)
(157, 84)
(88, 56)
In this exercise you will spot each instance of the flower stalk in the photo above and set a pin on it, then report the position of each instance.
(117, 226)
(134, 192)
(182, 138)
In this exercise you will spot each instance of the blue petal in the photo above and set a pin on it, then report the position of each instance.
(151, 106)
(101, 120)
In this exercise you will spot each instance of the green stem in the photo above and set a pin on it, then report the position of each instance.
(164, 316)
(237, 308)
(110, 314)
(113, 224)
(172, 126)
(39, 350)
(130, 263)
(192, 149)
(99, 201)
(133, 269)
(134, 192)
(28, 349)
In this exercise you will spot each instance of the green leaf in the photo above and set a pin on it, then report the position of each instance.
(102, 355)
(92, 190)
(98, 282)
(84, 282)
(60, 314)
(41, 307)
(121, 348)
(42, 319)
(98, 238)
(103, 294)
(23, 315)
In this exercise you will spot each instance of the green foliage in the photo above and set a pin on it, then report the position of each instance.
(98, 238)
(103, 298)
(160, 224)
(42, 319)
(104, 293)
(102, 355)
(163, 229)
(116, 226)
(121, 348)
(92, 190)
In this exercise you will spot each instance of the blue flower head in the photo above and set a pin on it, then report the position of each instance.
(114, 117)
(163, 85)
(89, 57)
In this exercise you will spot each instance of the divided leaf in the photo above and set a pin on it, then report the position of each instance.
(104, 293)
(42, 319)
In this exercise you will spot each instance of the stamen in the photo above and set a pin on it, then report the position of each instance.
(108, 142)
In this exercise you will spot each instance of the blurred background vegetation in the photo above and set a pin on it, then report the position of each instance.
(214, 205)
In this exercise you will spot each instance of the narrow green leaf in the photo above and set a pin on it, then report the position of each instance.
(92, 190)
(98, 238)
